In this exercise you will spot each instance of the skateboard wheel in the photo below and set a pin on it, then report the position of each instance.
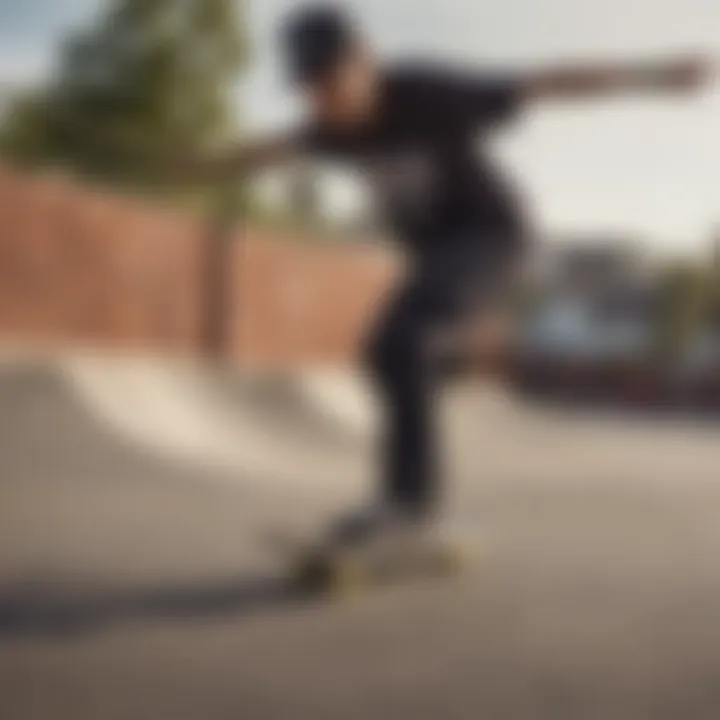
(335, 575)
(310, 575)
(345, 576)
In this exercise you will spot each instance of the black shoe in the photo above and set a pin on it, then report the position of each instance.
(375, 523)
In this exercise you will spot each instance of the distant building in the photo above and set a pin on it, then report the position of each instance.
(585, 266)
(594, 301)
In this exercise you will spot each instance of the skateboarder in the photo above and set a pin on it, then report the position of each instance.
(416, 131)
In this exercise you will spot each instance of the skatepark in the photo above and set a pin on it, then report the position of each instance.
(179, 390)
(137, 576)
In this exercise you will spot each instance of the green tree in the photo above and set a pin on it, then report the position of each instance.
(24, 131)
(686, 299)
(151, 77)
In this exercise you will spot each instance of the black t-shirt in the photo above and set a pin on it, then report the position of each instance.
(423, 154)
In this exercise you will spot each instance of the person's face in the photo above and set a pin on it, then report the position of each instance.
(347, 96)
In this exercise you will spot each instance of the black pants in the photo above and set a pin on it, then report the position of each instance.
(408, 361)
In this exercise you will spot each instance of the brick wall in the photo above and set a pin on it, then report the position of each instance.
(82, 268)
(301, 303)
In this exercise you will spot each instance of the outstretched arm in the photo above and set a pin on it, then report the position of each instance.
(240, 161)
(581, 82)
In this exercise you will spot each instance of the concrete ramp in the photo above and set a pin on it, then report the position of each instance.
(312, 430)
(290, 429)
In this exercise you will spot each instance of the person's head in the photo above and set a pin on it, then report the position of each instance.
(331, 64)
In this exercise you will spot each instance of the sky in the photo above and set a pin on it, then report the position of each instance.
(650, 168)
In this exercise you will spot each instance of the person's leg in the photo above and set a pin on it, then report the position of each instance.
(397, 358)
(407, 359)
(400, 362)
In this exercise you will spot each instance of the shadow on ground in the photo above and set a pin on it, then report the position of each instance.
(59, 609)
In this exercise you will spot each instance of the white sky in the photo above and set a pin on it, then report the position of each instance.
(651, 167)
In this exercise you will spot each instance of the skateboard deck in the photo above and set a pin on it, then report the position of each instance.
(322, 568)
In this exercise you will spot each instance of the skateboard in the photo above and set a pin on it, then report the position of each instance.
(324, 568)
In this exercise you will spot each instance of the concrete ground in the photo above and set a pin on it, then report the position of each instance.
(138, 585)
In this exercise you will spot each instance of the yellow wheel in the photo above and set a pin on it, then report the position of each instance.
(346, 576)
(309, 575)
(338, 575)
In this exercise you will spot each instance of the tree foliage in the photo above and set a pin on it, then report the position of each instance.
(688, 295)
(151, 77)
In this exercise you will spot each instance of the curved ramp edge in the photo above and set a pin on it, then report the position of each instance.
(192, 412)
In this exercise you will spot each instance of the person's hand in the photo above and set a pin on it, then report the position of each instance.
(688, 74)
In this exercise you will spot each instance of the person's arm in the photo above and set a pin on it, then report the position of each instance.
(471, 99)
(239, 161)
(581, 82)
